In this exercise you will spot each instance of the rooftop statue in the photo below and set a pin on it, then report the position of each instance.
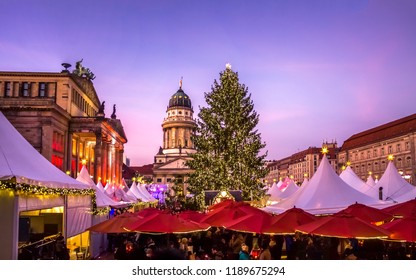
(83, 71)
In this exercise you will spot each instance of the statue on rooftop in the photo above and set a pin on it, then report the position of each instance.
(113, 115)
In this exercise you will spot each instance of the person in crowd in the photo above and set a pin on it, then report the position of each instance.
(236, 241)
(216, 254)
(61, 251)
(244, 254)
(276, 246)
(264, 251)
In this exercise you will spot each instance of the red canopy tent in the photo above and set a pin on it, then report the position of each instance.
(403, 209)
(288, 221)
(343, 225)
(165, 222)
(253, 223)
(115, 224)
(223, 215)
(191, 215)
(367, 213)
(403, 229)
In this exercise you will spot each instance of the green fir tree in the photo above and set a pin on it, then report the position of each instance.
(227, 142)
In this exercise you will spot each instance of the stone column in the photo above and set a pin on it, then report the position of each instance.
(98, 157)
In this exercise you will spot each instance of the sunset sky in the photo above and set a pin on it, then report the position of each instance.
(316, 70)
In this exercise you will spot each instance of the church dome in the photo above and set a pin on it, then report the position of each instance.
(180, 98)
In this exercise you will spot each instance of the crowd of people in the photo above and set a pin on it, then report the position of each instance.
(223, 244)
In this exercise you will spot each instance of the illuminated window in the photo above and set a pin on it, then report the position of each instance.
(74, 147)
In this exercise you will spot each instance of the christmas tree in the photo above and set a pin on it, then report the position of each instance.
(227, 142)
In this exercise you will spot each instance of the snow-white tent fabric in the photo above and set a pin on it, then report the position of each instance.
(100, 186)
(121, 195)
(370, 181)
(350, 177)
(326, 193)
(145, 193)
(274, 193)
(289, 190)
(102, 200)
(395, 188)
(133, 191)
(19, 160)
(305, 182)
(22, 163)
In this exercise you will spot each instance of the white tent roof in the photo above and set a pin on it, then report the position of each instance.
(326, 193)
(121, 195)
(18, 159)
(147, 197)
(101, 199)
(351, 178)
(370, 181)
(395, 188)
(274, 193)
(100, 186)
(305, 182)
(290, 189)
(133, 191)
(84, 176)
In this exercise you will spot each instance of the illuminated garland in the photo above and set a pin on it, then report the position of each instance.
(28, 189)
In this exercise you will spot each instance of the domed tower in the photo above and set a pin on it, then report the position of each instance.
(178, 126)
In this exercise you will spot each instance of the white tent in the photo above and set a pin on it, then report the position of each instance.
(370, 181)
(121, 195)
(305, 182)
(102, 200)
(133, 191)
(394, 187)
(326, 193)
(290, 189)
(100, 186)
(28, 181)
(351, 178)
(274, 193)
(147, 197)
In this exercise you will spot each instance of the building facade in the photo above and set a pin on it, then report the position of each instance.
(302, 164)
(169, 163)
(367, 152)
(60, 114)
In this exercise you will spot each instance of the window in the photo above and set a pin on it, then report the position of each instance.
(25, 90)
(8, 89)
(390, 149)
(382, 151)
(407, 146)
(42, 90)
(368, 154)
(159, 180)
(375, 153)
(398, 148)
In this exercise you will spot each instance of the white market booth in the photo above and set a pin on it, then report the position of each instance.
(37, 199)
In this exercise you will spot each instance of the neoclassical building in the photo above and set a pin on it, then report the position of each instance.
(302, 164)
(61, 115)
(367, 151)
(169, 163)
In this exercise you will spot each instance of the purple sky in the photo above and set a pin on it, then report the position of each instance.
(317, 70)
